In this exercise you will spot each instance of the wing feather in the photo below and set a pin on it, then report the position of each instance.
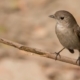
(77, 31)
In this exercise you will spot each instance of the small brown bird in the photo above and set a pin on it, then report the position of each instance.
(68, 31)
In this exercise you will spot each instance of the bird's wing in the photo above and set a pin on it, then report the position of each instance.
(77, 31)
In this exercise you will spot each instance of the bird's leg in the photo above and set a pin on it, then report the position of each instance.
(58, 53)
(78, 60)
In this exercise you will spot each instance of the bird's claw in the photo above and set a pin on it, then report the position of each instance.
(78, 61)
(57, 54)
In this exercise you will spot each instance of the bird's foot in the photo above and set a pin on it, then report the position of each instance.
(78, 61)
(57, 54)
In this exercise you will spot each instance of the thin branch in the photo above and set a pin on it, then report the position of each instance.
(36, 51)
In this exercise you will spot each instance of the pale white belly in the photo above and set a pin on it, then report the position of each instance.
(67, 38)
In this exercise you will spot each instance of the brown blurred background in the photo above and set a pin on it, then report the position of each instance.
(27, 22)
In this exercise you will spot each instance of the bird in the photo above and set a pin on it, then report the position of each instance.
(67, 31)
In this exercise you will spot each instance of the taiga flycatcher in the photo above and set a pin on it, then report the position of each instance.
(68, 31)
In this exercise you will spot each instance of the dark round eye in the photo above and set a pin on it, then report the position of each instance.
(61, 18)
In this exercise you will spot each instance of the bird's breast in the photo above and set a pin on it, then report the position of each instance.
(67, 37)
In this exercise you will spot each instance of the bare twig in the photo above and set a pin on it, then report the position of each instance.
(39, 52)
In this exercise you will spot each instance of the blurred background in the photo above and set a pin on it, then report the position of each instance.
(27, 22)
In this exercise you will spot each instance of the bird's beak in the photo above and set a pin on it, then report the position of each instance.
(51, 16)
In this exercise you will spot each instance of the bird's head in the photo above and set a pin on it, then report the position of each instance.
(64, 17)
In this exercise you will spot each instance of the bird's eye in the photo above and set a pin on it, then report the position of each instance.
(61, 18)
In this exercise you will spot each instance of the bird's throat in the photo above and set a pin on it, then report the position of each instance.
(60, 27)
